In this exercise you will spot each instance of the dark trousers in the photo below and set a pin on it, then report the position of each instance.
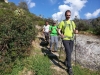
(68, 44)
(46, 36)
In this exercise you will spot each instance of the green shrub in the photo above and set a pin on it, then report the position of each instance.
(78, 70)
(41, 23)
(1, 0)
(96, 26)
(81, 25)
(16, 35)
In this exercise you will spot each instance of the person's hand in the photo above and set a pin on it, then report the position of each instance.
(76, 31)
(62, 36)
(43, 32)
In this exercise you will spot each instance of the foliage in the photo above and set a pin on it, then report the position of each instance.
(41, 65)
(37, 64)
(16, 35)
(50, 20)
(41, 23)
(91, 25)
(96, 26)
(23, 5)
(19, 12)
(81, 25)
(78, 70)
(1, 0)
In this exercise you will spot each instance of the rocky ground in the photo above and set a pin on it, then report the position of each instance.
(87, 51)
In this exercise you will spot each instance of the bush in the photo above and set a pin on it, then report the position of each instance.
(91, 25)
(81, 25)
(41, 23)
(16, 35)
(96, 26)
(1, 0)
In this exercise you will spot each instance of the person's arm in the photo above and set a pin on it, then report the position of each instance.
(43, 29)
(59, 29)
(59, 32)
(75, 31)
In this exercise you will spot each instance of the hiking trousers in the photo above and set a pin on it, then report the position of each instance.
(68, 44)
(46, 36)
(54, 39)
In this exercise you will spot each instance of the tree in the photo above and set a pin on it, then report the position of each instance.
(23, 5)
(81, 25)
(96, 25)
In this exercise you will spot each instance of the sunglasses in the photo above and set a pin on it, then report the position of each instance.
(68, 15)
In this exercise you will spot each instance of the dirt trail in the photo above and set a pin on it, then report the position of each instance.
(57, 66)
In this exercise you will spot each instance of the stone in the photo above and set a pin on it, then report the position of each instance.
(87, 51)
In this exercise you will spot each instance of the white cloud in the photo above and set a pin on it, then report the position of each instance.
(30, 3)
(77, 4)
(57, 16)
(92, 15)
(74, 5)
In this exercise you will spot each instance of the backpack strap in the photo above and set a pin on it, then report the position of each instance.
(72, 24)
(65, 24)
(72, 29)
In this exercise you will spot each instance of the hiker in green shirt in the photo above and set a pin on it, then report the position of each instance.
(68, 29)
(53, 36)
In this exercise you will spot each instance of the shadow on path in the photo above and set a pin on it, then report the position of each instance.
(53, 58)
(43, 43)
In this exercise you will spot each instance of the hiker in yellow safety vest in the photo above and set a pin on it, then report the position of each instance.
(66, 30)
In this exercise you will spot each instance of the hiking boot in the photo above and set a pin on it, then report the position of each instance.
(70, 72)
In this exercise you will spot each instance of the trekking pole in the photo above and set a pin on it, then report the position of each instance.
(75, 39)
(75, 45)
(61, 41)
(60, 51)
(75, 49)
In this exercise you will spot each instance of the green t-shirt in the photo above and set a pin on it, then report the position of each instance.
(68, 31)
(53, 30)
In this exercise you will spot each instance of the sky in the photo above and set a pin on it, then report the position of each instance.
(55, 9)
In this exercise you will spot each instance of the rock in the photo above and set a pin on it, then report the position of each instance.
(87, 51)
